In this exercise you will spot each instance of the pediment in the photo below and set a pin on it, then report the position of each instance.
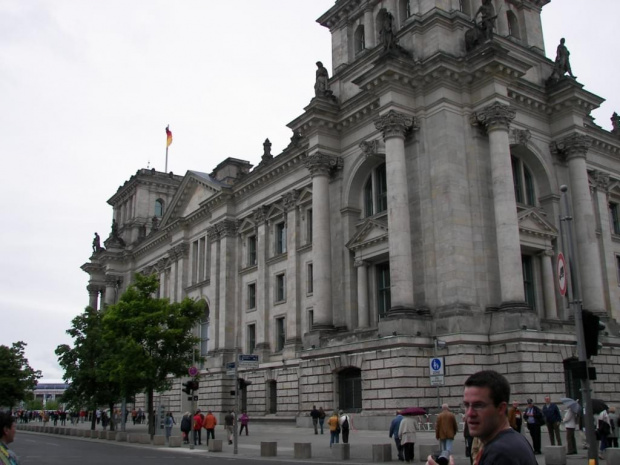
(533, 222)
(247, 224)
(195, 188)
(305, 196)
(369, 232)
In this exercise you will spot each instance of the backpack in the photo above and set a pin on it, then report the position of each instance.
(345, 423)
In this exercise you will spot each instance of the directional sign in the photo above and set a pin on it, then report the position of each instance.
(248, 361)
(436, 366)
(437, 380)
(230, 369)
(561, 267)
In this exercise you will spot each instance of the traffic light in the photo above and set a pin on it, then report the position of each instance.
(591, 328)
(243, 383)
(193, 385)
(186, 387)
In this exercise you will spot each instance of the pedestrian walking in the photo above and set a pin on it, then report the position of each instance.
(570, 423)
(515, 417)
(603, 430)
(407, 436)
(243, 420)
(534, 419)
(168, 424)
(613, 422)
(209, 423)
(186, 426)
(314, 414)
(446, 428)
(553, 419)
(321, 418)
(229, 425)
(393, 433)
(197, 427)
(345, 426)
(334, 429)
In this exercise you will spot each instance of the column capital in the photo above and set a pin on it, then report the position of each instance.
(359, 262)
(212, 233)
(395, 124)
(260, 215)
(548, 253)
(179, 251)
(573, 146)
(493, 117)
(321, 164)
(94, 289)
(289, 200)
(601, 181)
(227, 228)
(112, 280)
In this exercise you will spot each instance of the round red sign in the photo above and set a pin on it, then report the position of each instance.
(562, 274)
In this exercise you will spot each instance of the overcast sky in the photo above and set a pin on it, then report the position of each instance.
(87, 88)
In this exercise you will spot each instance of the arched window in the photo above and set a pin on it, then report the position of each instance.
(204, 327)
(523, 183)
(404, 10)
(350, 389)
(159, 208)
(359, 39)
(375, 192)
(513, 25)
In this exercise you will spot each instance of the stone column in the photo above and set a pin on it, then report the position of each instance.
(548, 282)
(213, 333)
(496, 119)
(181, 253)
(394, 126)
(369, 29)
(262, 283)
(111, 289)
(362, 293)
(227, 230)
(574, 149)
(321, 166)
(93, 296)
(293, 317)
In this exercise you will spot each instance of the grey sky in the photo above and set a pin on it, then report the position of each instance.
(88, 87)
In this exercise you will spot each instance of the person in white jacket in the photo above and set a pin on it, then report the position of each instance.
(406, 434)
(570, 423)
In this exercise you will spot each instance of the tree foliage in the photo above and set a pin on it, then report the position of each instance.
(17, 378)
(153, 338)
(85, 366)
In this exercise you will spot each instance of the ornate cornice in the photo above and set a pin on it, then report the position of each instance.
(395, 124)
(601, 180)
(520, 136)
(323, 165)
(495, 116)
(227, 228)
(575, 145)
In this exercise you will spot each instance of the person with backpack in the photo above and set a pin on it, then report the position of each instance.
(186, 427)
(345, 426)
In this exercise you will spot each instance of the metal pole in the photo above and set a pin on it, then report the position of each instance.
(236, 444)
(575, 304)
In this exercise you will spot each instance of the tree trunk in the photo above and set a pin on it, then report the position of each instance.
(112, 416)
(93, 422)
(150, 412)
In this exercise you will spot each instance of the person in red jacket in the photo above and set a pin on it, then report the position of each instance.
(197, 427)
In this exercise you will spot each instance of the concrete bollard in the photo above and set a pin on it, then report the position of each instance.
(555, 455)
(110, 435)
(133, 437)
(121, 436)
(144, 438)
(80, 433)
(612, 454)
(215, 445)
(159, 440)
(303, 450)
(382, 452)
(175, 441)
(268, 449)
(427, 449)
(103, 434)
(341, 451)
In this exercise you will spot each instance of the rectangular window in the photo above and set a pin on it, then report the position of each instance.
(516, 178)
(280, 287)
(309, 226)
(204, 337)
(310, 319)
(310, 278)
(251, 296)
(528, 280)
(618, 267)
(614, 215)
(280, 233)
(195, 261)
(251, 250)
(381, 183)
(202, 258)
(383, 289)
(280, 334)
(251, 339)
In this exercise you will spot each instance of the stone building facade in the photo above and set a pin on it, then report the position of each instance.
(415, 213)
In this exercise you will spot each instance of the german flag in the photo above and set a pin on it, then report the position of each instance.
(168, 137)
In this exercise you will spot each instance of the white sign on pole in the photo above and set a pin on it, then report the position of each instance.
(437, 380)
(436, 367)
(230, 369)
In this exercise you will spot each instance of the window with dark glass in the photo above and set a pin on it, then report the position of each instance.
(159, 208)
(375, 191)
(309, 225)
(383, 288)
(251, 250)
(251, 295)
(528, 280)
(614, 215)
(280, 287)
(280, 231)
(360, 42)
(310, 278)
(523, 183)
(251, 338)
(280, 334)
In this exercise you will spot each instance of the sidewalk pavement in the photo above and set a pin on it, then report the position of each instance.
(286, 435)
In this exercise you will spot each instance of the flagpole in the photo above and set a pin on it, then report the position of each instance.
(166, 169)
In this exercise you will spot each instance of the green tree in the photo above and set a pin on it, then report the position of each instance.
(17, 378)
(85, 364)
(153, 338)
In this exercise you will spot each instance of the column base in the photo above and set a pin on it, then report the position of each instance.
(410, 324)
(511, 316)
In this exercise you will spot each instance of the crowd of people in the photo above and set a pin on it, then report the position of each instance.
(195, 423)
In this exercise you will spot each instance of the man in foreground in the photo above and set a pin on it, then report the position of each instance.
(485, 401)
(8, 428)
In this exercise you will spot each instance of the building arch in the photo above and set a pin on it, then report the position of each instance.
(359, 39)
(513, 25)
(159, 208)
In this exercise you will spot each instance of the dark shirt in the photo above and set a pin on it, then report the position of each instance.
(314, 413)
(551, 413)
(395, 425)
(508, 448)
(229, 420)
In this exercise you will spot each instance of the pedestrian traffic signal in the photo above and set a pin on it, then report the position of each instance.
(193, 385)
(243, 383)
(186, 387)
(592, 326)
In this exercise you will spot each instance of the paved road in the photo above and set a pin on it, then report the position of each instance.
(47, 448)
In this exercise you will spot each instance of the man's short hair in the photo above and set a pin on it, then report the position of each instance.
(6, 421)
(497, 384)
